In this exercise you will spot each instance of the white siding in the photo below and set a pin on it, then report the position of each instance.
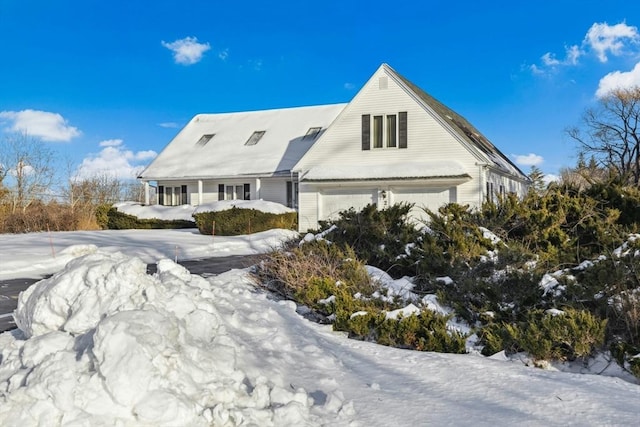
(308, 207)
(274, 190)
(428, 142)
(332, 202)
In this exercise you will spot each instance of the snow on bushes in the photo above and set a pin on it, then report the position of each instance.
(236, 217)
(103, 343)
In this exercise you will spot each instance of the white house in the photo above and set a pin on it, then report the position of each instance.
(392, 143)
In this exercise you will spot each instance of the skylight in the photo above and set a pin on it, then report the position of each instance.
(204, 139)
(255, 137)
(312, 133)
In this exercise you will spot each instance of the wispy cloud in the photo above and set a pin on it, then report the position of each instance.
(187, 51)
(114, 160)
(223, 54)
(606, 39)
(170, 125)
(256, 64)
(40, 124)
(602, 41)
(530, 159)
(349, 86)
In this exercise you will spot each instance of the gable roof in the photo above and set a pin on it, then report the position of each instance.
(215, 145)
(460, 126)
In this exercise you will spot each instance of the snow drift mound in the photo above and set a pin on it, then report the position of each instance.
(103, 343)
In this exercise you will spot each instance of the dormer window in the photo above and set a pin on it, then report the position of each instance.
(204, 139)
(255, 137)
(312, 133)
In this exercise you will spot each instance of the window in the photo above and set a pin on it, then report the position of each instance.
(234, 191)
(490, 192)
(247, 192)
(204, 139)
(292, 194)
(377, 131)
(255, 137)
(161, 195)
(175, 201)
(183, 195)
(391, 130)
(387, 131)
(312, 133)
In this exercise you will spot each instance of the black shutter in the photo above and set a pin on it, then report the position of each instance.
(220, 191)
(247, 192)
(366, 132)
(161, 195)
(402, 133)
(183, 194)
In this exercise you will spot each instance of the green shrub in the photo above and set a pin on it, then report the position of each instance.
(427, 331)
(379, 237)
(102, 215)
(453, 240)
(568, 336)
(238, 221)
(117, 220)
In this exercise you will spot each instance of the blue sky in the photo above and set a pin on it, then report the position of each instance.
(108, 84)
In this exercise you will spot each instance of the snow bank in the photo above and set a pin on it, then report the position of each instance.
(167, 213)
(103, 343)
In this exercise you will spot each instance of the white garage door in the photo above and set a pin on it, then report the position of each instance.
(422, 198)
(334, 201)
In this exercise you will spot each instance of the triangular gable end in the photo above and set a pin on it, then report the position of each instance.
(383, 90)
(459, 127)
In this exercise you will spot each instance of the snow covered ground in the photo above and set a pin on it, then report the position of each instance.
(103, 343)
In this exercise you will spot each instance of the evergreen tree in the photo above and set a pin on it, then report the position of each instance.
(537, 179)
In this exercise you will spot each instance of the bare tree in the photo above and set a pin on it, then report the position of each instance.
(27, 170)
(611, 135)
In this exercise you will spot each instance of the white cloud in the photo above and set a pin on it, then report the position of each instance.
(187, 51)
(573, 54)
(528, 159)
(224, 54)
(111, 143)
(601, 39)
(40, 124)
(610, 39)
(549, 59)
(618, 80)
(114, 160)
(170, 125)
(349, 86)
(549, 178)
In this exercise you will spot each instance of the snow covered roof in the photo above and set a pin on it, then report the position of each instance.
(229, 144)
(424, 170)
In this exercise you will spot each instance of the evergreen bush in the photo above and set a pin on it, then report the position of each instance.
(380, 237)
(427, 331)
(117, 220)
(568, 335)
(239, 221)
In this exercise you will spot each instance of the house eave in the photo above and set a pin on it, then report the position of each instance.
(404, 180)
(217, 177)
